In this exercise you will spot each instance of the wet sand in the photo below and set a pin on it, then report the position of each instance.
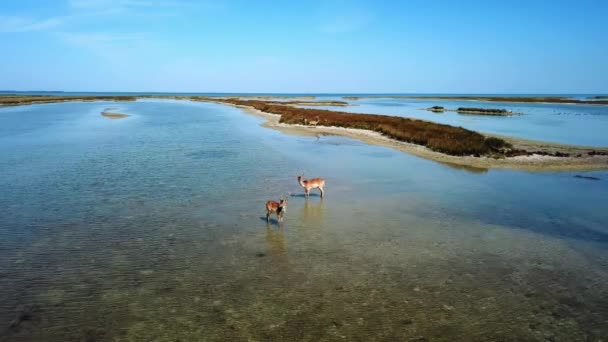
(529, 163)
(534, 162)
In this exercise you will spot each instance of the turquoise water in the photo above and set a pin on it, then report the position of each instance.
(560, 123)
(152, 228)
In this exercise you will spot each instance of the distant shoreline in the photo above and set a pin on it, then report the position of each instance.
(598, 100)
(473, 111)
(19, 100)
(544, 156)
(537, 163)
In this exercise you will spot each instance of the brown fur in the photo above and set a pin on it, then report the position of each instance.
(314, 183)
(278, 208)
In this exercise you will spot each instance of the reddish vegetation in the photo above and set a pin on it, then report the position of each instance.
(298, 103)
(441, 138)
(597, 153)
(32, 99)
(446, 139)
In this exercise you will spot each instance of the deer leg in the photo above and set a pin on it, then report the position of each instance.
(306, 192)
(321, 190)
(267, 217)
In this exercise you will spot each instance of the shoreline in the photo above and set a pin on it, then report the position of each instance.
(581, 158)
(508, 99)
(9, 100)
(536, 163)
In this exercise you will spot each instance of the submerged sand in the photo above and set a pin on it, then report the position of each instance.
(111, 114)
(580, 159)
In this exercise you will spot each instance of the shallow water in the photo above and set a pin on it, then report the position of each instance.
(561, 123)
(151, 228)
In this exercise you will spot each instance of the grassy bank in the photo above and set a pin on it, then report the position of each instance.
(457, 144)
(15, 100)
(446, 139)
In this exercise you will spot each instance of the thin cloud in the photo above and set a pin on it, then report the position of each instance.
(100, 38)
(79, 10)
(14, 24)
(125, 4)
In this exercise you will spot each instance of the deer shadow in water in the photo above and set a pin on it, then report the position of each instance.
(304, 195)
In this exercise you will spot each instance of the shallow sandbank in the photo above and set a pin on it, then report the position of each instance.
(110, 113)
(534, 155)
(534, 162)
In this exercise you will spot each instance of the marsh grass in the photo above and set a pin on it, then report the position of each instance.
(15, 100)
(484, 111)
(437, 137)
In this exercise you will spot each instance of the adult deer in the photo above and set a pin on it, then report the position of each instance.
(314, 183)
(276, 207)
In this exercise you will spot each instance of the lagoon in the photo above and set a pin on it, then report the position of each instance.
(575, 124)
(152, 227)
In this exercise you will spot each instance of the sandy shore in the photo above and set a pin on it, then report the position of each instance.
(529, 163)
(533, 162)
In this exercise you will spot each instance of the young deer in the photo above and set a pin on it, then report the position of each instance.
(276, 207)
(315, 183)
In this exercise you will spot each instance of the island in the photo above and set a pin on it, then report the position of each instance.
(439, 142)
(484, 111)
(437, 109)
(473, 111)
(311, 103)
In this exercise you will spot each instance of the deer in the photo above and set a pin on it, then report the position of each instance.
(314, 183)
(278, 208)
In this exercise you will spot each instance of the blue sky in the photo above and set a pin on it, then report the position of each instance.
(305, 46)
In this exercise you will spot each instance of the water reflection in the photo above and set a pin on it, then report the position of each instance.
(277, 247)
(468, 168)
(313, 211)
(562, 123)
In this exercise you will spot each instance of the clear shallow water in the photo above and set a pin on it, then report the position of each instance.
(561, 123)
(150, 228)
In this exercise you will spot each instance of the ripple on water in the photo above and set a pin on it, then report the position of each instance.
(155, 238)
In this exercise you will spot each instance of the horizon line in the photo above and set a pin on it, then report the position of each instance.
(294, 93)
